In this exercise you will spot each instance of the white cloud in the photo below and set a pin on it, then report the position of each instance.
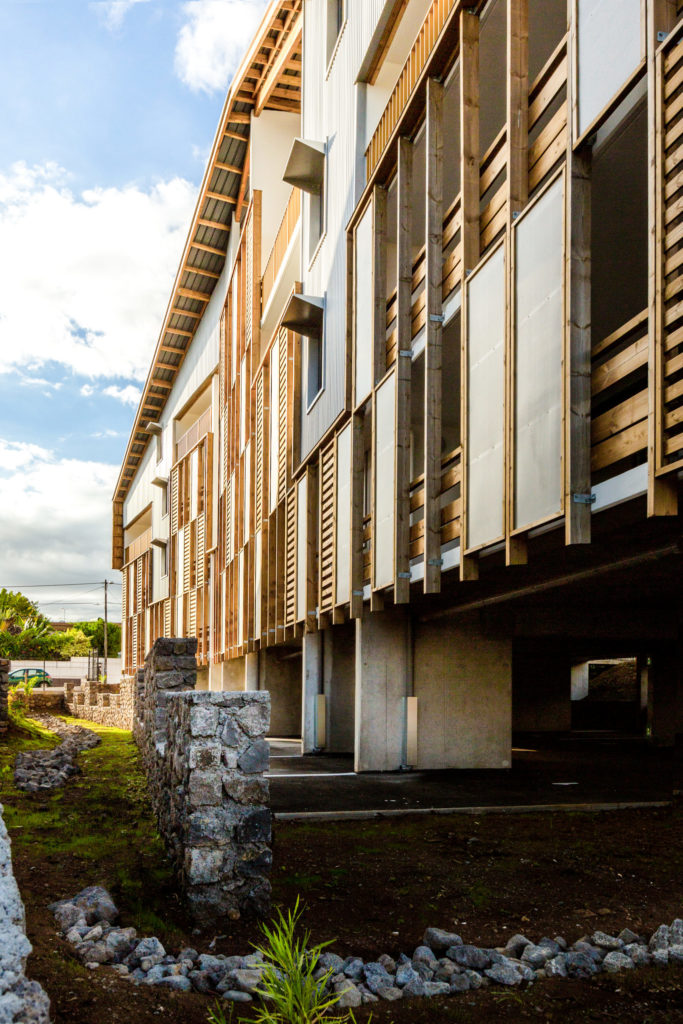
(213, 39)
(87, 390)
(19, 454)
(129, 395)
(113, 12)
(55, 522)
(92, 294)
(41, 382)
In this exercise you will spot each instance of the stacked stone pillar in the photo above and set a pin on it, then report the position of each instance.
(205, 754)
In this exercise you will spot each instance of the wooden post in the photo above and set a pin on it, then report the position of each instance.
(404, 287)
(518, 194)
(577, 347)
(434, 331)
(469, 192)
(662, 491)
(356, 538)
(379, 283)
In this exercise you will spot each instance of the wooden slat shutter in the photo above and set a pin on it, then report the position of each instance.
(290, 559)
(327, 527)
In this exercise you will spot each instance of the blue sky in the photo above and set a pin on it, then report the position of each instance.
(109, 111)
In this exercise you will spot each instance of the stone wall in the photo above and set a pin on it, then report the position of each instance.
(21, 1000)
(4, 687)
(47, 701)
(104, 703)
(205, 754)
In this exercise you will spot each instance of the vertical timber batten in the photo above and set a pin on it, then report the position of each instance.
(379, 283)
(469, 168)
(577, 357)
(517, 136)
(434, 334)
(404, 278)
(662, 491)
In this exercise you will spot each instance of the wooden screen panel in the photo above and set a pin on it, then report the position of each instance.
(282, 414)
(258, 455)
(326, 529)
(670, 233)
(290, 559)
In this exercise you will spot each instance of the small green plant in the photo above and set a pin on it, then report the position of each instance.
(290, 993)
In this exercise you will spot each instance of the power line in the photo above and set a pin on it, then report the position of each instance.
(35, 586)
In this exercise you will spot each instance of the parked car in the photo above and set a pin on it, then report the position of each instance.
(30, 676)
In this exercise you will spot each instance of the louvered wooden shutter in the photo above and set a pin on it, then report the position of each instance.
(282, 413)
(201, 549)
(174, 500)
(290, 559)
(327, 527)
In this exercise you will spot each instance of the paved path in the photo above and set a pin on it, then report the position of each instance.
(578, 769)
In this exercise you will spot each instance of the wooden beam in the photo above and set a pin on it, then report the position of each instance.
(379, 283)
(243, 184)
(238, 136)
(231, 168)
(577, 371)
(470, 245)
(218, 225)
(177, 311)
(272, 73)
(434, 326)
(189, 269)
(190, 293)
(177, 330)
(209, 194)
(237, 117)
(404, 277)
(469, 137)
(212, 249)
(392, 23)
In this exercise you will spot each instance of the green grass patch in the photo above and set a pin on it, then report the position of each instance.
(100, 824)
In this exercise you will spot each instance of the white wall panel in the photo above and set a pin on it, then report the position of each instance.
(539, 321)
(385, 482)
(343, 517)
(258, 563)
(485, 397)
(609, 51)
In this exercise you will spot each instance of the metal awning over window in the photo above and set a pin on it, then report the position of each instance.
(306, 166)
(304, 314)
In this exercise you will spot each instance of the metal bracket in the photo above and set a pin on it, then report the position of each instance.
(661, 36)
(516, 214)
(357, 593)
(407, 353)
(435, 561)
(436, 318)
(404, 575)
(584, 499)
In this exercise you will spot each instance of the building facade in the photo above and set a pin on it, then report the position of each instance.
(411, 442)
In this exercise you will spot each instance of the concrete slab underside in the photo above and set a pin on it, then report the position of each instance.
(599, 768)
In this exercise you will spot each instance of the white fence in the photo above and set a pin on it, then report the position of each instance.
(76, 668)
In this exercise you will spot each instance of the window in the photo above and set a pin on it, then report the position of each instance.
(314, 368)
(163, 564)
(335, 20)
(306, 170)
(164, 498)
(316, 219)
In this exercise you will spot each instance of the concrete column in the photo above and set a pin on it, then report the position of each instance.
(251, 671)
(339, 643)
(311, 686)
(665, 693)
(383, 670)
(462, 679)
(543, 685)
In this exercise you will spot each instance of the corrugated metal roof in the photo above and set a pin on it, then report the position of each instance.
(256, 86)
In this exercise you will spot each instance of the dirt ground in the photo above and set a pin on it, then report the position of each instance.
(370, 886)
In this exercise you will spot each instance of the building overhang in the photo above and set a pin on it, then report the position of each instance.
(304, 315)
(306, 166)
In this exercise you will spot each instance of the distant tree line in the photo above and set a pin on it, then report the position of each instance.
(27, 635)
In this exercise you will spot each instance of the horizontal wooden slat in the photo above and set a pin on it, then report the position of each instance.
(539, 100)
(614, 449)
(619, 366)
(619, 418)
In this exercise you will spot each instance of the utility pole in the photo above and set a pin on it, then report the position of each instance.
(106, 585)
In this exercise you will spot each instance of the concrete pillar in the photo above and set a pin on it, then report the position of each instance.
(280, 673)
(462, 678)
(383, 672)
(542, 689)
(580, 680)
(311, 686)
(665, 693)
(251, 671)
(339, 643)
